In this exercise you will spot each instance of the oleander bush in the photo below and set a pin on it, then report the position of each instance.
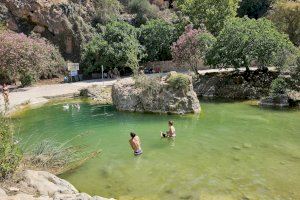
(28, 58)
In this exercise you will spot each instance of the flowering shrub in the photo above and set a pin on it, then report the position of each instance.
(191, 47)
(23, 56)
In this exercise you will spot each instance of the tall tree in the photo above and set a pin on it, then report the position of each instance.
(211, 13)
(244, 41)
(286, 16)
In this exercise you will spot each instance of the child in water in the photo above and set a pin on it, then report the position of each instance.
(171, 133)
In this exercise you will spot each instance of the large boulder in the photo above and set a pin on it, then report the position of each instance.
(156, 95)
(65, 23)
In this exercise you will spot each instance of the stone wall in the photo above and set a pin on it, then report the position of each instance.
(235, 85)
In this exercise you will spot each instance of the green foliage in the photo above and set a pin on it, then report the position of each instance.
(179, 81)
(157, 36)
(144, 11)
(286, 16)
(244, 41)
(10, 154)
(27, 79)
(107, 11)
(278, 87)
(211, 13)
(150, 84)
(254, 8)
(117, 47)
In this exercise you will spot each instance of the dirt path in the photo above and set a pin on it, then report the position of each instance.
(42, 94)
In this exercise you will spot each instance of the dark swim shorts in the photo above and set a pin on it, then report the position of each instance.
(138, 152)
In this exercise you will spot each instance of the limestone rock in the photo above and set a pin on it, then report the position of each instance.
(46, 183)
(65, 23)
(99, 94)
(2, 193)
(275, 101)
(161, 98)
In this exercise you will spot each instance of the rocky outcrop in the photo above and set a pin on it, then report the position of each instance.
(65, 23)
(291, 99)
(235, 85)
(99, 94)
(40, 185)
(154, 95)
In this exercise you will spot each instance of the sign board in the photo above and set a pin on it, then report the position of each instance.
(73, 73)
(73, 66)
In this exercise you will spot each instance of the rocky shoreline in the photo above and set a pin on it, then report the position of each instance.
(41, 185)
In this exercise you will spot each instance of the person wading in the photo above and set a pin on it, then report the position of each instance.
(135, 144)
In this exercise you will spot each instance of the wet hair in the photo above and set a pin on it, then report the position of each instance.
(171, 123)
(132, 134)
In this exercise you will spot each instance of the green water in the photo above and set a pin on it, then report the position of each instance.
(230, 151)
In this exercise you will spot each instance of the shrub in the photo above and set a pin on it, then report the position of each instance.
(117, 47)
(144, 11)
(28, 55)
(191, 47)
(278, 86)
(10, 154)
(26, 79)
(254, 8)
(179, 81)
(148, 84)
(107, 10)
(157, 36)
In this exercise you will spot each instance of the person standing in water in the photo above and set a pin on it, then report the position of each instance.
(5, 92)
(135, 144)
(171, 133)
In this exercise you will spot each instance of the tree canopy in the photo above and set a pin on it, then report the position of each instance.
(254, 8)
(157, 36)
(211, 13)
(286, 16)
(117, 47)
(244, 41)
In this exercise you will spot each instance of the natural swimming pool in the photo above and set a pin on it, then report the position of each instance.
(229, 151)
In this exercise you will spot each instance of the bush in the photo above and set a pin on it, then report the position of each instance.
(278, 87)
(254, 8)
(117, 47)
(144, 11)
(157, 36)
(179, 81)
(10, 154)
(107, 11)
(148, 84)
(26, 79)
(28, 55)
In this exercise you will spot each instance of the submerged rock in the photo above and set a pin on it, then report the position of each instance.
(156, 95)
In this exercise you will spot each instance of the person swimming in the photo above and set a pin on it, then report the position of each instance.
(135, 144)
(171, 133)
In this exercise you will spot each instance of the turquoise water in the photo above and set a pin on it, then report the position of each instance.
(230, 151)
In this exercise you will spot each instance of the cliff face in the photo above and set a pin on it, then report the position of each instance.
(65, 23)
